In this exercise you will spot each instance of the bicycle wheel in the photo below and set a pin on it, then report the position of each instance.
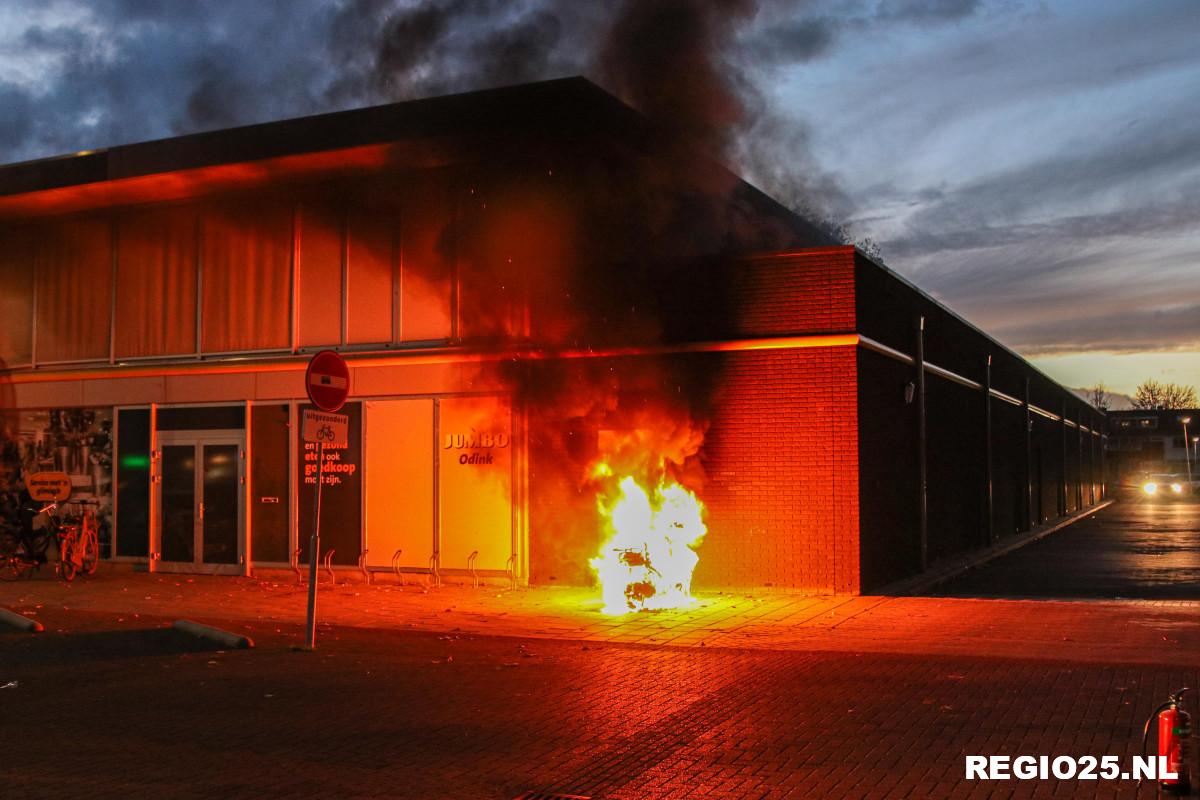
(8, 553)
(90, 557)
(12, 565)
(68, 563)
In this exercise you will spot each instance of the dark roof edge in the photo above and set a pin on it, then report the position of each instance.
(563, 103)
(955, 315)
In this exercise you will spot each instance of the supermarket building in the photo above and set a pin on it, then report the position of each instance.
(515, 277)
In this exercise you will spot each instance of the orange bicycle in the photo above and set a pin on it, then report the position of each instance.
(78, 542)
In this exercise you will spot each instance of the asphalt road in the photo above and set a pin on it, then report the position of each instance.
(1135, 548)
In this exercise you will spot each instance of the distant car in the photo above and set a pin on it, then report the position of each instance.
(1168, 486)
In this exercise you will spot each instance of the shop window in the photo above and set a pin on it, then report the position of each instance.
(372, 224)
(427, 253)
(475, 482)
(319, 293)
(200, 418)
(246, 258)
(16, 297)
(341, 495)
(133, 482)
(156, 282)
(75, 441)
(399, 481)
(74, 290)
(270, 499)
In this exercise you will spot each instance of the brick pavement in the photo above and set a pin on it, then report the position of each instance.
(1114, 632)
(386, 713)
(485, 693)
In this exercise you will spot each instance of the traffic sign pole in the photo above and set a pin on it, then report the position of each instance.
(327, 381)
(314, 544)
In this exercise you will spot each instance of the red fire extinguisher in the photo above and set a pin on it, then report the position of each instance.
(1174, 729)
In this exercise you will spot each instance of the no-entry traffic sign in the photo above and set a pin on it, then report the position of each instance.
(327, 380)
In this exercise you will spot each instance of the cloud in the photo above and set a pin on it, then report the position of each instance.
(1135, 330)
(926, 11)
(797, 41)
(1041, 175)
(16, 123)
(1089, 250)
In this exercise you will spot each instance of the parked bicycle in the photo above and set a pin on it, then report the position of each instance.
(77, 538)
(78, 542)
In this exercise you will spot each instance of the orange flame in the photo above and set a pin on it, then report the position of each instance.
(650, 540)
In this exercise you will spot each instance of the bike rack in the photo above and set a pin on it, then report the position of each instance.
(511, 567)
(296, 566)
(435, 577)
(396, 566)
(329, 566)
(471, 569)
(362, 565)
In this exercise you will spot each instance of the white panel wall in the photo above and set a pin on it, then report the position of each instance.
(399, 473)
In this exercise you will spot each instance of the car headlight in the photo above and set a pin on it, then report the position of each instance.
(1177, 488)
(1150, 488)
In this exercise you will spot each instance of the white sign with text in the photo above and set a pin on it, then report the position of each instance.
(321, 427)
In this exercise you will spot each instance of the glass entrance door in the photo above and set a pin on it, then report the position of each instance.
(200, 500)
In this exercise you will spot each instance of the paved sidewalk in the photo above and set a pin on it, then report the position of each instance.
(1161, 632)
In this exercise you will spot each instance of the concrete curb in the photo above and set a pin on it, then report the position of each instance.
(20, 621)
(233, 641)
(953, 567)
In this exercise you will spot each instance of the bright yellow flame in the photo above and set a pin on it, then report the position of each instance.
(649, 548)
(1150, 488)
(1177, 488)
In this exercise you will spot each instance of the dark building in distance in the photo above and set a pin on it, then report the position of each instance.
(1154, 440)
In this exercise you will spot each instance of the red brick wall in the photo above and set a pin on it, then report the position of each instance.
(808, 292)
(782, 464)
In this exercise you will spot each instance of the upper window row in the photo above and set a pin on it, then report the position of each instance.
(379, 263)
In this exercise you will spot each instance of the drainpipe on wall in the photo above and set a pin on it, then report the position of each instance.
(1062, 495)
(1092, 462)
(987, 452)
(1103, 467)
(923, 501)
(1079, 483)
(1028, 460)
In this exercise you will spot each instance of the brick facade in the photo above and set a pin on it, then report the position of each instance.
(782, 463)
(799, 292)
